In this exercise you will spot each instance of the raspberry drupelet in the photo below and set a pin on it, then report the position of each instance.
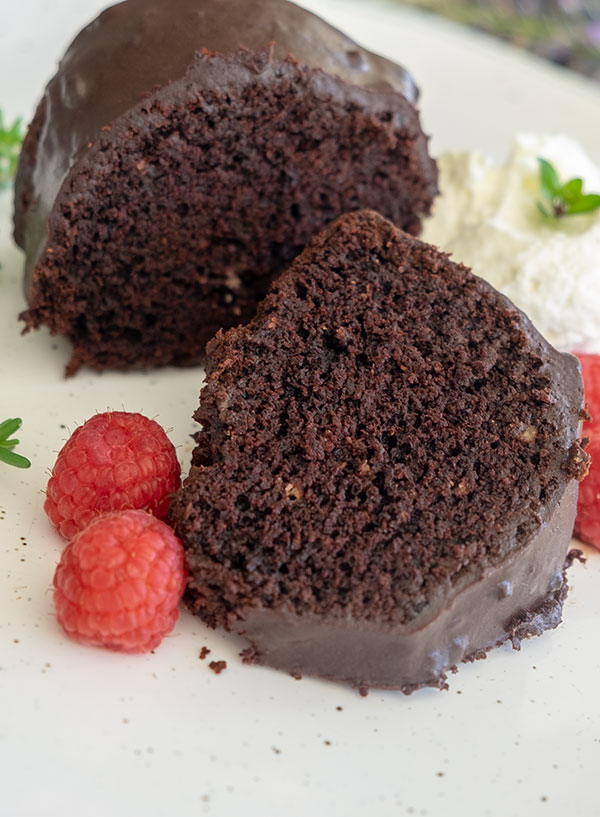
(119, 582)
(587, 523)
(115, 460)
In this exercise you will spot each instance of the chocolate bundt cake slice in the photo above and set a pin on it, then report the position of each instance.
(385, 480)
(185, 153)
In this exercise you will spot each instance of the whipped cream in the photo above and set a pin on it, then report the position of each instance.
(486, 217)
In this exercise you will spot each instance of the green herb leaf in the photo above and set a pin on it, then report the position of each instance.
(10, 147)
(549, 181)
(585, 204)
(571, 191)
(10, 458)
(566, 199)
(9, 443)
(543, 210)
(7, 455)
(8, 428)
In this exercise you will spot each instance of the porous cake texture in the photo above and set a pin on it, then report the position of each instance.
(185, 153)
(385, 478)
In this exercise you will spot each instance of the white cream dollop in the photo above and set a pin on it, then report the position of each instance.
(486, 217)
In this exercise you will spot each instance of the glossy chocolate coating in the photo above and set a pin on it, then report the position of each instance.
(484, 565)
(519, 598)
(136, 45)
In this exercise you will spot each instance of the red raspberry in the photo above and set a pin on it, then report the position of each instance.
(114, 461)
(587, 523)
(118, 582)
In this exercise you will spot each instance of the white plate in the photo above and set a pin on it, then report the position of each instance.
(84, 731)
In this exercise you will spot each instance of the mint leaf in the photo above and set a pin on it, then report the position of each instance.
(543, 210)
(571, 191)
(566, 199)
(585, 204)
(549, 181)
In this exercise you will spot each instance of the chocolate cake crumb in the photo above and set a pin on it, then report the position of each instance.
(574, 555)
(579, 461)
(218, 666)
(203, 653)
(144, 236)
(427, 432)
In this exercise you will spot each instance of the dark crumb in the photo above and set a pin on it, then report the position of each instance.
(440, 774)
(327, 742)
(302, 187)
(203, 653)
(339, 708)
(328, 335)
(307, 364)
(578, 461)
(276, 750)
(296, 676)
(218, 666)
(363, 691)
(572, 555)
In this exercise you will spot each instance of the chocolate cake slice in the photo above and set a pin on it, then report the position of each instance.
(185, 152)
(385, 480)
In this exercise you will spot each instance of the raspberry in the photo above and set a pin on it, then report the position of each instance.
(587, 523)
(114, 461)
(119, 582)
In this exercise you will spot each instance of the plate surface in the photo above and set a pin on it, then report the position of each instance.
(84, 731)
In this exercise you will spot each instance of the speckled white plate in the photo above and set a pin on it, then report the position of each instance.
(87, 732)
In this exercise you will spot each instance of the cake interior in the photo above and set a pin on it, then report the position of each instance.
(387, 429)
(179, 218)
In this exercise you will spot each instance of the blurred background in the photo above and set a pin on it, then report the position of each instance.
(566, 32)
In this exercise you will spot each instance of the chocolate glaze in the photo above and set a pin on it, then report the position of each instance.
(462, 623)
(137, 45)
(369, 591)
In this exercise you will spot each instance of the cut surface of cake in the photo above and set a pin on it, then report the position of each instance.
(385, 480)
(184, 154)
